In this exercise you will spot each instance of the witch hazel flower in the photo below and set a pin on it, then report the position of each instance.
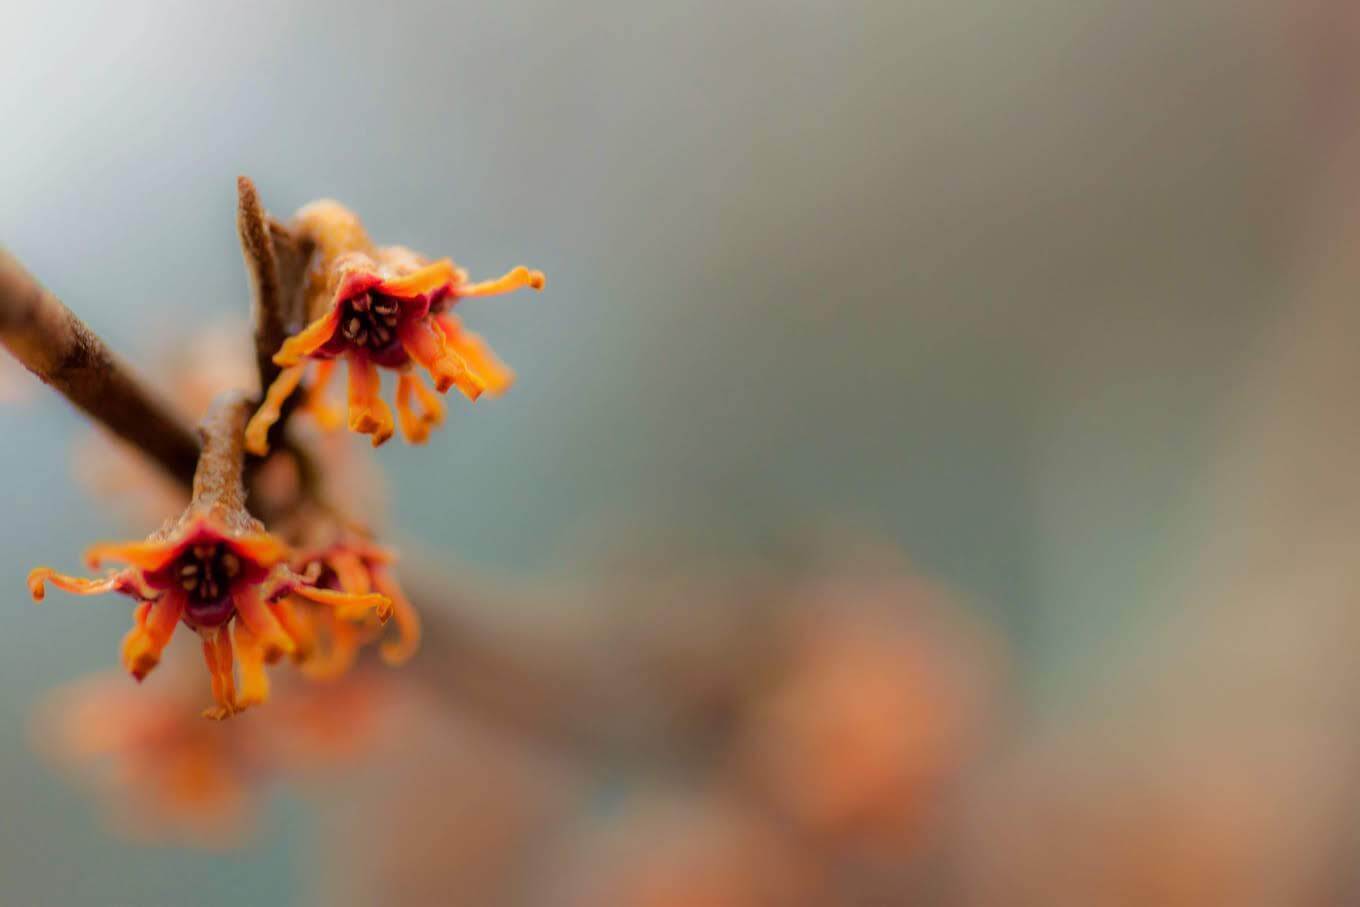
(351, 563)
(214, 569)
(382, 308)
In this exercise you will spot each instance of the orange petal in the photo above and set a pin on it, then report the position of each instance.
(39, 576)
(396, 651)
(148, 556)
(273, 639)
(309, 339)
(217, 654)
(254, 680)
(414, 428)
(260, 547)
(339, 653)
(257, 430)
(156, 622)
(368, 414)
(426, 280)
(326, 415)
(425, 344)
(350, 602)
(133, 636)
(514, 279)
(300, 630)
(433, 407)
(349, 569)
(490, 372)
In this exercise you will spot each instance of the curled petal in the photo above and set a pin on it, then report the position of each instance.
(426, 280)
(218, 656)
(414, 427)
(309, 339)
(38, 577)
(425, 344)
(489, 371)
(429, 401)
(368, 414)
(155, 623)
(514, 279)
(348, 604)
(397, 651)
(257, 430)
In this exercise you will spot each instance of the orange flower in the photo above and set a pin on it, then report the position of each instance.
(378, 308)
(167, 774)
(226, 584)
(354, 566)
(215, 568)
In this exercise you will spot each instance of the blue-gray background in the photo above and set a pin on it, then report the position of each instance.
(978, 277)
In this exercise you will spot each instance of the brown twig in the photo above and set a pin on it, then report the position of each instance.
(60, 349)
(276, 264)
(272, 299)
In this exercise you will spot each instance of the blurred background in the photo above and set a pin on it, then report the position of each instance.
(930, 477)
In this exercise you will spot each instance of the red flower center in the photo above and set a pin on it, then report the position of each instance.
(370, 320)
(370, 324)
(207, 573)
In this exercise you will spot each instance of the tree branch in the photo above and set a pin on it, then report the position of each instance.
(60, 349)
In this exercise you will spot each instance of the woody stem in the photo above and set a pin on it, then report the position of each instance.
(268, 309)
(219, 483)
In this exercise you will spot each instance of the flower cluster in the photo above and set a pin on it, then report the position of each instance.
(314, 588)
